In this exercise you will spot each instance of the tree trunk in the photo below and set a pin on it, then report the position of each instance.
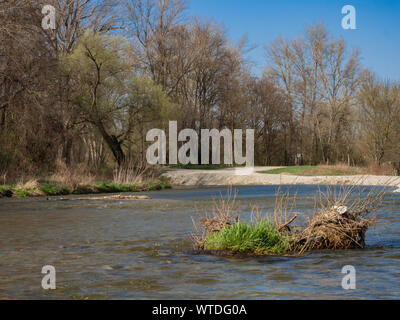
(113, 144)
(3, 117)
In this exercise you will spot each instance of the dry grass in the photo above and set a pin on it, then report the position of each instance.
(343, 169)
(72, 177)
(285, 207)
(135, 173)
(78, 180)
(30, 187)
(381, 170)
(225, 212)
(30, 184)
(340, 169)
(3, 177)
(342, 219)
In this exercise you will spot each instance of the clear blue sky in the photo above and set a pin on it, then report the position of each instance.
(377, 34)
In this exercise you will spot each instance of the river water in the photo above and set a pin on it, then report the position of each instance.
(142, 250)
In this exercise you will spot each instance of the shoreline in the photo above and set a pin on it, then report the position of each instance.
(37, 190)
(226, 177)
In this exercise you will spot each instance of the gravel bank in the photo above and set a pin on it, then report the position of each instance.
(225, 177)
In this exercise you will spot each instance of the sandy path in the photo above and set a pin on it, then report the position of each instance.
(229, 176)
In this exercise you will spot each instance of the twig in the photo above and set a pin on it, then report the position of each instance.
(288, 223)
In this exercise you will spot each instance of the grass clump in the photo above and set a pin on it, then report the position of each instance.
(6, 191)
(23, 193)
(111, 187)
(56, 190)
(30, 188)
(164, 185)
(4, 188)
(260, 238)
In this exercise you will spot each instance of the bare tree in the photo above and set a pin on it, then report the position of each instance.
(320, 81)
(379, 116)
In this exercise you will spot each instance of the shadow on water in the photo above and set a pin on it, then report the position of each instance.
(141, 250)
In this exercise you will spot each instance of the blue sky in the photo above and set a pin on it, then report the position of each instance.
(377, 34)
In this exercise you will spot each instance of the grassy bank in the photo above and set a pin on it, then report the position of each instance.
(322, 170)
(200, 166)
(34, 188)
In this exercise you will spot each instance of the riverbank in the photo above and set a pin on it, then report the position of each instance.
(36, 189)
(246, 177)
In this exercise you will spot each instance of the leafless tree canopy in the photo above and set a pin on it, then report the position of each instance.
(87, 92)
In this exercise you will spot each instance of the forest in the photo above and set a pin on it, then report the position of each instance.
(82, 97)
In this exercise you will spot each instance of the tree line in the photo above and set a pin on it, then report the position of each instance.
(87, 92)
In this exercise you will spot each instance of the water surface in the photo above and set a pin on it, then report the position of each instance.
(141, 250)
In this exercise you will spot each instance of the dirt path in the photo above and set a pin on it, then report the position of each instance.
(231, 176)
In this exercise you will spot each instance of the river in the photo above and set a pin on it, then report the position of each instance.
(141, 250)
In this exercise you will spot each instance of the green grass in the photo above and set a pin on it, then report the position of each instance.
(165, 185)
(22, 193)
(99, 187)
(201, 167)
(261, 238)
(55, 190)
(316, 171)
(5, 188)
(110, 187)
(296, 170)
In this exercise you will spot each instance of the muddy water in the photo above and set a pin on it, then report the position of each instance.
(141, 250)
